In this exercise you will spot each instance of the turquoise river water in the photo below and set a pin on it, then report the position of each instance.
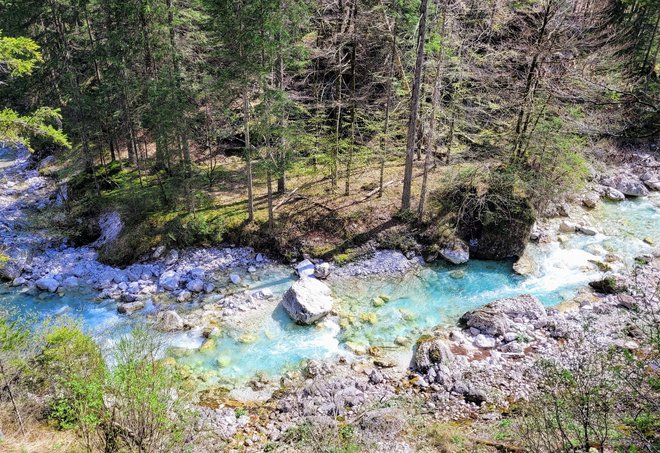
(266, 341)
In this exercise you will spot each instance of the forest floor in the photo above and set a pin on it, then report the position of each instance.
(311, 216)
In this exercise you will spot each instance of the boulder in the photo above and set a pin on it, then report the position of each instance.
(567, 226)
(305, 268)
(308, 300)
(525, 265)
(169, 321)
(235, 278)
(484, 341)
(587, 230)
(456, 252)
(130, 307)
(70, 282)
(627, 184)
(322, 270)
(171, 257)
(432, 351)
(47, 284)
(614, 195)
(195, 286)
(496, 233)
(523, 306)
(184, 296)
(263, 294)
(496, 317)
(158, 252)
(387, 421)
(591, 200)
(169, 280)
(609, 285)
(653, 185)
(45, 162)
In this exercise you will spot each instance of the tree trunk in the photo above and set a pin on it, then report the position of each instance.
(430, 150)
(349, 160)
(7, 387)
(414, 110)
(271, 219)
(248, 153)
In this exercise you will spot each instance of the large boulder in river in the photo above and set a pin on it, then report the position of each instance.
(12, 262)
(627, 184)
(498, 224)
(308, 300)
(496, 317)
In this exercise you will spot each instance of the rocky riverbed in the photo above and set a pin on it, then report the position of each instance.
(473, 369)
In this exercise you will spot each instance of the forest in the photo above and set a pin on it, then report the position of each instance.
(215, 110)
(206, 146)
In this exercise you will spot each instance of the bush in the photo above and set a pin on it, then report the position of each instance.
(591, 398)
(194, 230)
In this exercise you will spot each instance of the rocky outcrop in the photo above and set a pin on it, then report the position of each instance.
(12, 262)
(308, 300)
(111, 227)
(627, 184)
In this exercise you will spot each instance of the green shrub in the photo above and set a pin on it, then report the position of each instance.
(193, 230)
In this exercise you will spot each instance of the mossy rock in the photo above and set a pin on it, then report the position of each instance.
(609, 285)
(208, 345)
(369, 317)
(377, 302)
(223, 361)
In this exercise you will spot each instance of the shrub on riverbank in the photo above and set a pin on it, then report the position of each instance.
(56, 372)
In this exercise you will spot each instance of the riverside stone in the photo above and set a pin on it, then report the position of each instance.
(322, 270)
(47, 284)
(432, 351)
(456, 252)
(627, 184)
(130, 307)
(169, 280)
(614, 195)
(169, 321)
(195, 286)
(305, 268)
